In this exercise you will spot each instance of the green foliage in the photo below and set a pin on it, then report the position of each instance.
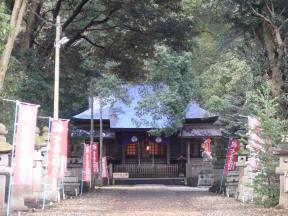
(4, 26)
(107, 88)
(265, 107)
(171, 75)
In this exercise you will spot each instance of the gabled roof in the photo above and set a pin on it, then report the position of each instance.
(126, 116)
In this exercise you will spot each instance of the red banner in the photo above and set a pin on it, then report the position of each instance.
(58, 148)
(25, 141)
(231, 158)
(86, 163)
(95, 158)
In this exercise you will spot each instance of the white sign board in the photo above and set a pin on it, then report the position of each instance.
(120, 175)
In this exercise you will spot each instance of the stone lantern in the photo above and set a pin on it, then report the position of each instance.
(39, 160)
(282, 151)
(5, 148)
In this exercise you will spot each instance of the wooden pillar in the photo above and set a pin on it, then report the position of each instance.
(123, 154)
(153, 150)
(188, 153)
(168, 153)
(139, 152)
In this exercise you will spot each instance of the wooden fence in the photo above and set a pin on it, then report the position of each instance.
(148, 170)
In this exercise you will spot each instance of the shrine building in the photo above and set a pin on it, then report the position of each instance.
(130, 149)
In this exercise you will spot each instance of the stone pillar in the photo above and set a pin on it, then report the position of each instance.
(5, 148)
(282, 151)
(17, 195)
(243, 192)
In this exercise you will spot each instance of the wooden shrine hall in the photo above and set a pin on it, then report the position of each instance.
(129, 147)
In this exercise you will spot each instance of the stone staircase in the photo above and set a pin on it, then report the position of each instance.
(164, 181)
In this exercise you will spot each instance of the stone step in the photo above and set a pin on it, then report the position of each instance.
(165, 181)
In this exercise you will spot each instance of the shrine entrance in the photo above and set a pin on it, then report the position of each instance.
(145, 156)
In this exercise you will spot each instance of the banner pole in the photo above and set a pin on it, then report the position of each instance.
(12, 160)
(222, 177)
(46, 167)
(81, 187)
(63, 189)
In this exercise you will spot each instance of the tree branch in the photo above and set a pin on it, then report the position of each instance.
(101, 29)
(263, 17)
(57, 9)
(271, 10)
(90, 24)
(74, 14)
(282, 25)
(92, 43)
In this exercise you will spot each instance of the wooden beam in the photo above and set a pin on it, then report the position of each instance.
(168, 153)
(139, 152)
(123, 154)
(188, 152)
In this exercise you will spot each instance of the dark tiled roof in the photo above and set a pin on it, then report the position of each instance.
(127, 117)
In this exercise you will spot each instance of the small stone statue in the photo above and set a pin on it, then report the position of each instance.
(4, 146)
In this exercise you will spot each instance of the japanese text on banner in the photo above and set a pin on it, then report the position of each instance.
(86, 164)
(95, 158)
(231, 158)
(58, 148)
(25, 141)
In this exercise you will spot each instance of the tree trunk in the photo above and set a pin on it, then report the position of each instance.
(275, 53)
(15, 24)
(30, 25)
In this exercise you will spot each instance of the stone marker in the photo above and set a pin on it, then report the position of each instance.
(282, 151)
(244, 191)
(5, 148)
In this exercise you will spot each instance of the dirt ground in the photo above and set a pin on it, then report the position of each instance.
(154, 200)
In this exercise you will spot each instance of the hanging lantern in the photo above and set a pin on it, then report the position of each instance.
(158, 140)
(134, 139)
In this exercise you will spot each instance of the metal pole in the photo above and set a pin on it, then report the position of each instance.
(46, 165)
(81, 186)
(63, 188)
(222, 177)
(57, 68)
(91, 130)
(56, 87)
(101, 143)
(12, 159)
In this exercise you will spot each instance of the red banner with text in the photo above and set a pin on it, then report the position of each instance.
(231, 158)
(58, 148)
(95, 158)
(25, 141)
(86, 164)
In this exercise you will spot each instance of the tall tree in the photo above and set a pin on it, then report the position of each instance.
(264, 24)
(15, 27)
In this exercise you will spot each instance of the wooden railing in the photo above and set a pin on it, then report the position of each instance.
(148, 170)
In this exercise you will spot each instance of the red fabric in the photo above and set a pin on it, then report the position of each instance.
(86, 164)
(95, 158)
(58, 148)
(231, 158)
(25, 141)
(207, 145)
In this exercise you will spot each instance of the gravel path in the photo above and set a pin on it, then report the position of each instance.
(153, 200)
